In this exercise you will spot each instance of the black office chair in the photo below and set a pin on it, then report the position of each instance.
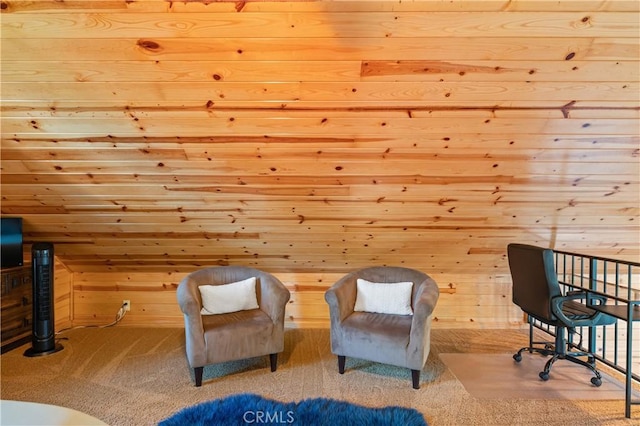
(537, 292)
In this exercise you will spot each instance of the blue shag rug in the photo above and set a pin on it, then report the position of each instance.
(252, 409)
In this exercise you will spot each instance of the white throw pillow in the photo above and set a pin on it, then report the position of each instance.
(232, 297)
(384, 298)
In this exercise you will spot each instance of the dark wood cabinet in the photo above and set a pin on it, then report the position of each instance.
(17, 306)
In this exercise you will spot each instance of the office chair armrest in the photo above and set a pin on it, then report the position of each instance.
(593, 318)
(581, 295)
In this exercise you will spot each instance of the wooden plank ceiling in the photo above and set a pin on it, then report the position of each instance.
(316, 137)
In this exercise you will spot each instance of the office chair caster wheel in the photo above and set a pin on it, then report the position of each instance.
(517, 357)
(596, 381)
(544, 375)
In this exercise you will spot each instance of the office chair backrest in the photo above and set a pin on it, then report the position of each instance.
(534, 279)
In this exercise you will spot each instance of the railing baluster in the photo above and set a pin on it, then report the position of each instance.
(593, 280)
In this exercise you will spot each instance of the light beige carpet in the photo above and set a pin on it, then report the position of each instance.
(139, 376)
(498, 376)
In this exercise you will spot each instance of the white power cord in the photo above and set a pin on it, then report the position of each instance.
(119, 315)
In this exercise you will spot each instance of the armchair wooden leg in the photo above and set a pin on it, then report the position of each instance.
(198, 373)
(341, 361)
(273, 359)
(415, 378)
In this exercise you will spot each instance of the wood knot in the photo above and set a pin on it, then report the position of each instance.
(148, 45)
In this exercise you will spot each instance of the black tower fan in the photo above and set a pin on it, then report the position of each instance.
(43, 339)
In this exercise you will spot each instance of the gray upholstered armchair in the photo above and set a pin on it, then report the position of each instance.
(402, 340)
(246, 333)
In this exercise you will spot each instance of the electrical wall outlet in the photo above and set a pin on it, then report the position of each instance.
(127, 304)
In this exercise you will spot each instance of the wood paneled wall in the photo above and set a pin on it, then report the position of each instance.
(150, 138)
